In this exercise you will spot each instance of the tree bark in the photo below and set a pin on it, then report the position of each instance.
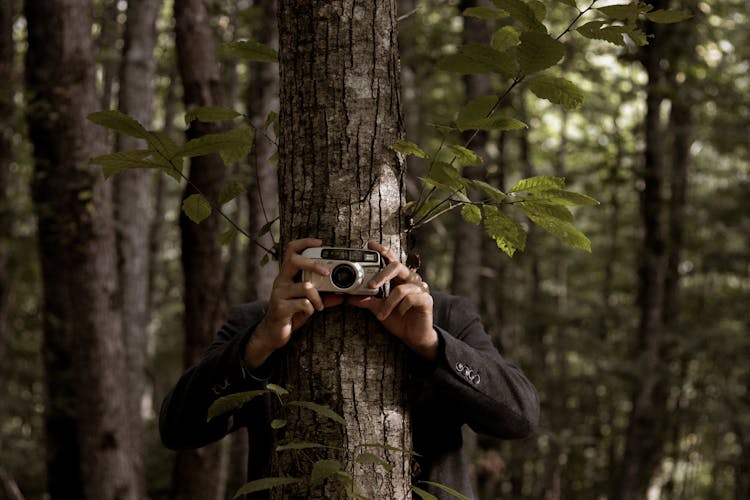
(133, 194)
(197, 471)
(88, 436)
(339, 181)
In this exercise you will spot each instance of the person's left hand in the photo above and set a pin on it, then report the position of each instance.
(407, 311)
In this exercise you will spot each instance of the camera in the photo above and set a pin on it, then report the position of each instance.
(350, 270)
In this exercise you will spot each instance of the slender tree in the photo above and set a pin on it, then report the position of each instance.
(339, 181)
(133, 193)
(197, 471)
(88, 439)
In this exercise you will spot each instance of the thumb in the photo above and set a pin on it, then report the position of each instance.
(365, 302)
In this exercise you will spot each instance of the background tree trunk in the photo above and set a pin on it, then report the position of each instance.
(339, 181)
(197, 471)
(88, 437)
(133, 194)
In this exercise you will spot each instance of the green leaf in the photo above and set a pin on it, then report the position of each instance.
(596, 30)
(472, 214)
(210, 114)
(507, 233)
(424, 495)
(277, 389)
(539, 9)
(119, 122)
(564, 197)
(278, 423)
(321, 410)
(494, 193)
(569, 3)
(231, 402)
(505, 38)
(456, 193)
(485, 13)
(265, 483)
(116, 162)
(251, 51)
(301, 445)
(628, 11)
(372, 459)
(273, 119)
(166, 153)
(232, 190)
(538, 51)
(475, 110)
(521, 12)
(267, 227)
(557, 90)
(323, 469)
(228, 236)
(668, 16)
(563, 230)
(429, 206)
(494, 123)
(638, 36)
(196, 207)
(537, 184)
(465, 156)
(408, 148)
(232, 145)
(477, 59)
(542, 209)
(446, 489)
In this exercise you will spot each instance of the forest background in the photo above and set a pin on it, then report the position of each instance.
(638, 349)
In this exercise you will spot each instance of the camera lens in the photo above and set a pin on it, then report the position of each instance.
(344, 276)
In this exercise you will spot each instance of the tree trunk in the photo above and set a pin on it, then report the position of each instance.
(197, 471)
(645, 434)
(88, 436)
(262, 194)
(339, 181)
(133, 207)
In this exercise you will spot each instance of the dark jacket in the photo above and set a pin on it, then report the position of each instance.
(469, 384)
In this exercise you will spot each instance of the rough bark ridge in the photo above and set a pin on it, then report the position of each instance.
(339, 181)
(83, 349)
(196, 472)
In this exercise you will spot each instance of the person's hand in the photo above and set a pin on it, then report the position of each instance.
(291, 303)
(407, 311)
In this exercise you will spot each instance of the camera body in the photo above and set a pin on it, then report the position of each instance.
(350, 270)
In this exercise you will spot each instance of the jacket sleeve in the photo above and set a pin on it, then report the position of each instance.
(221, 371)
(485, 391)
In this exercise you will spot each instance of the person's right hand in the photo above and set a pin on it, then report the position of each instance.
(291, 303)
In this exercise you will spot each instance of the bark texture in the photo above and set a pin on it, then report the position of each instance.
(197, 471)
(133, 193)
(339, 181)
(88, 441)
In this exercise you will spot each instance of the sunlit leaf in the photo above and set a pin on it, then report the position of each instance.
(446, 489)
(465, 156)
(596, 30)
(542, 209)
(508, 234)
(119, 122)
(505, 38)
(494, 193)
(563, 230)
(538, 183)
(627, 12)
(557, 90)
(231, 402)
(408, 148)
(196, 207)
(472, 214)
(424, 495)
(321, 410)
(570, 3)
(571, 198)
(277, 389)
(265, 483)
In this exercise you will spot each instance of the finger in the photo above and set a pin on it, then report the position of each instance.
(389, 272)
(296, 263)
(332, 299)
(300, 290)
(300, 306)
(389, 254)
(414, 301)
(396, 296)
(296, 246)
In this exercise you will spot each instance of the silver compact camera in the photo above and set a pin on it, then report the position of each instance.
(350, 270)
